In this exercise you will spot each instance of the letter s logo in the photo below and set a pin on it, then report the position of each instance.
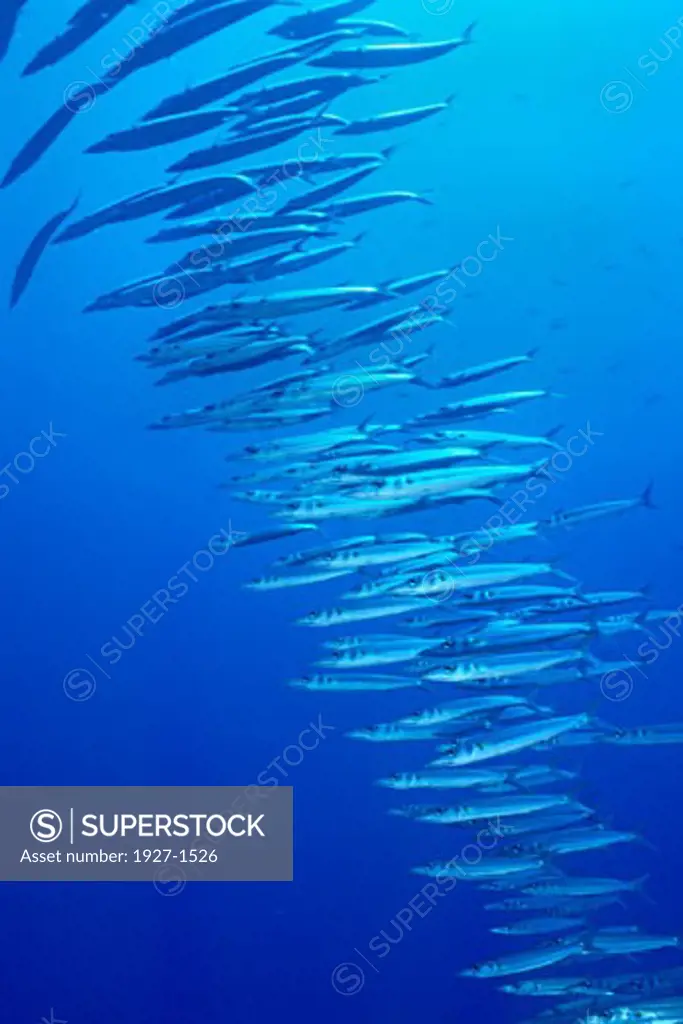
(46, 826)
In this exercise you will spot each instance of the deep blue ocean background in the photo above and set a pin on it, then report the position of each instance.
(534, 145)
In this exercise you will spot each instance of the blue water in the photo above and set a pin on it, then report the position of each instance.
(583, 177)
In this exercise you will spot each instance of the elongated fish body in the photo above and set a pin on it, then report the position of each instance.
(8, 22)
(540, 926)
(471, 408)
(283, 582)
(607, 597)
(217, 225)
(462, 578)
(221, 224)
(509, 740)
(374, 28)
(49, 132)
(503, 595)
(464, 778)
(313, 509)
(482, 809)
(560, 819)
(379, 554)
(242, 358)
(541, 775)
(330, 189)
(160, 133)
(368, 657)
(405, 286)
(404, 462)
(488, 867)
(209, 92)
(240, 245)
(476, 373)
(307, 444)
(31, 257)
(179, 352)
(277, 533)
(469, 544)
(588, 513)
(351, 207)
(464, 708)
(326, 85)
(430, 482)
(351, 684)
(653, 735)
(488, 439)
(85, 23)
(502, 666)
(458, 618)
(389, 55)
(263, 118)
(552, 903)
(312, 554)
(293, 262)
(510, 633)
(222, 188)
(346, 616)
(238, 146)
(322, 165)
(566, 886)
(313, 23)
(251, 421)
(367, 332)
(377, 640)
(390, 733)
(532, 960)
(187, 26)
(575, 840)
(391, 120)
(555, 986)
(294, 303)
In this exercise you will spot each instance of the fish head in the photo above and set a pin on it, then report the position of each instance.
(328, 558)
(399, 780)
(303, 683)
(362, 734)
(518, 848)
(311, 619)
(485, 969)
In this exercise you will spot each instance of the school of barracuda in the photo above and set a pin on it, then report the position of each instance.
(484, 639)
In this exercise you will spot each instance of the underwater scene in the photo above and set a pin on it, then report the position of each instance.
(340, 452)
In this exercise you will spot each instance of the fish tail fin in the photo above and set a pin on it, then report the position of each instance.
(467, 34)
(532, 353)
(641, 620)
(644, 841)
(389, 151)
(646, 496)
(637, 886)
(552, 434)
